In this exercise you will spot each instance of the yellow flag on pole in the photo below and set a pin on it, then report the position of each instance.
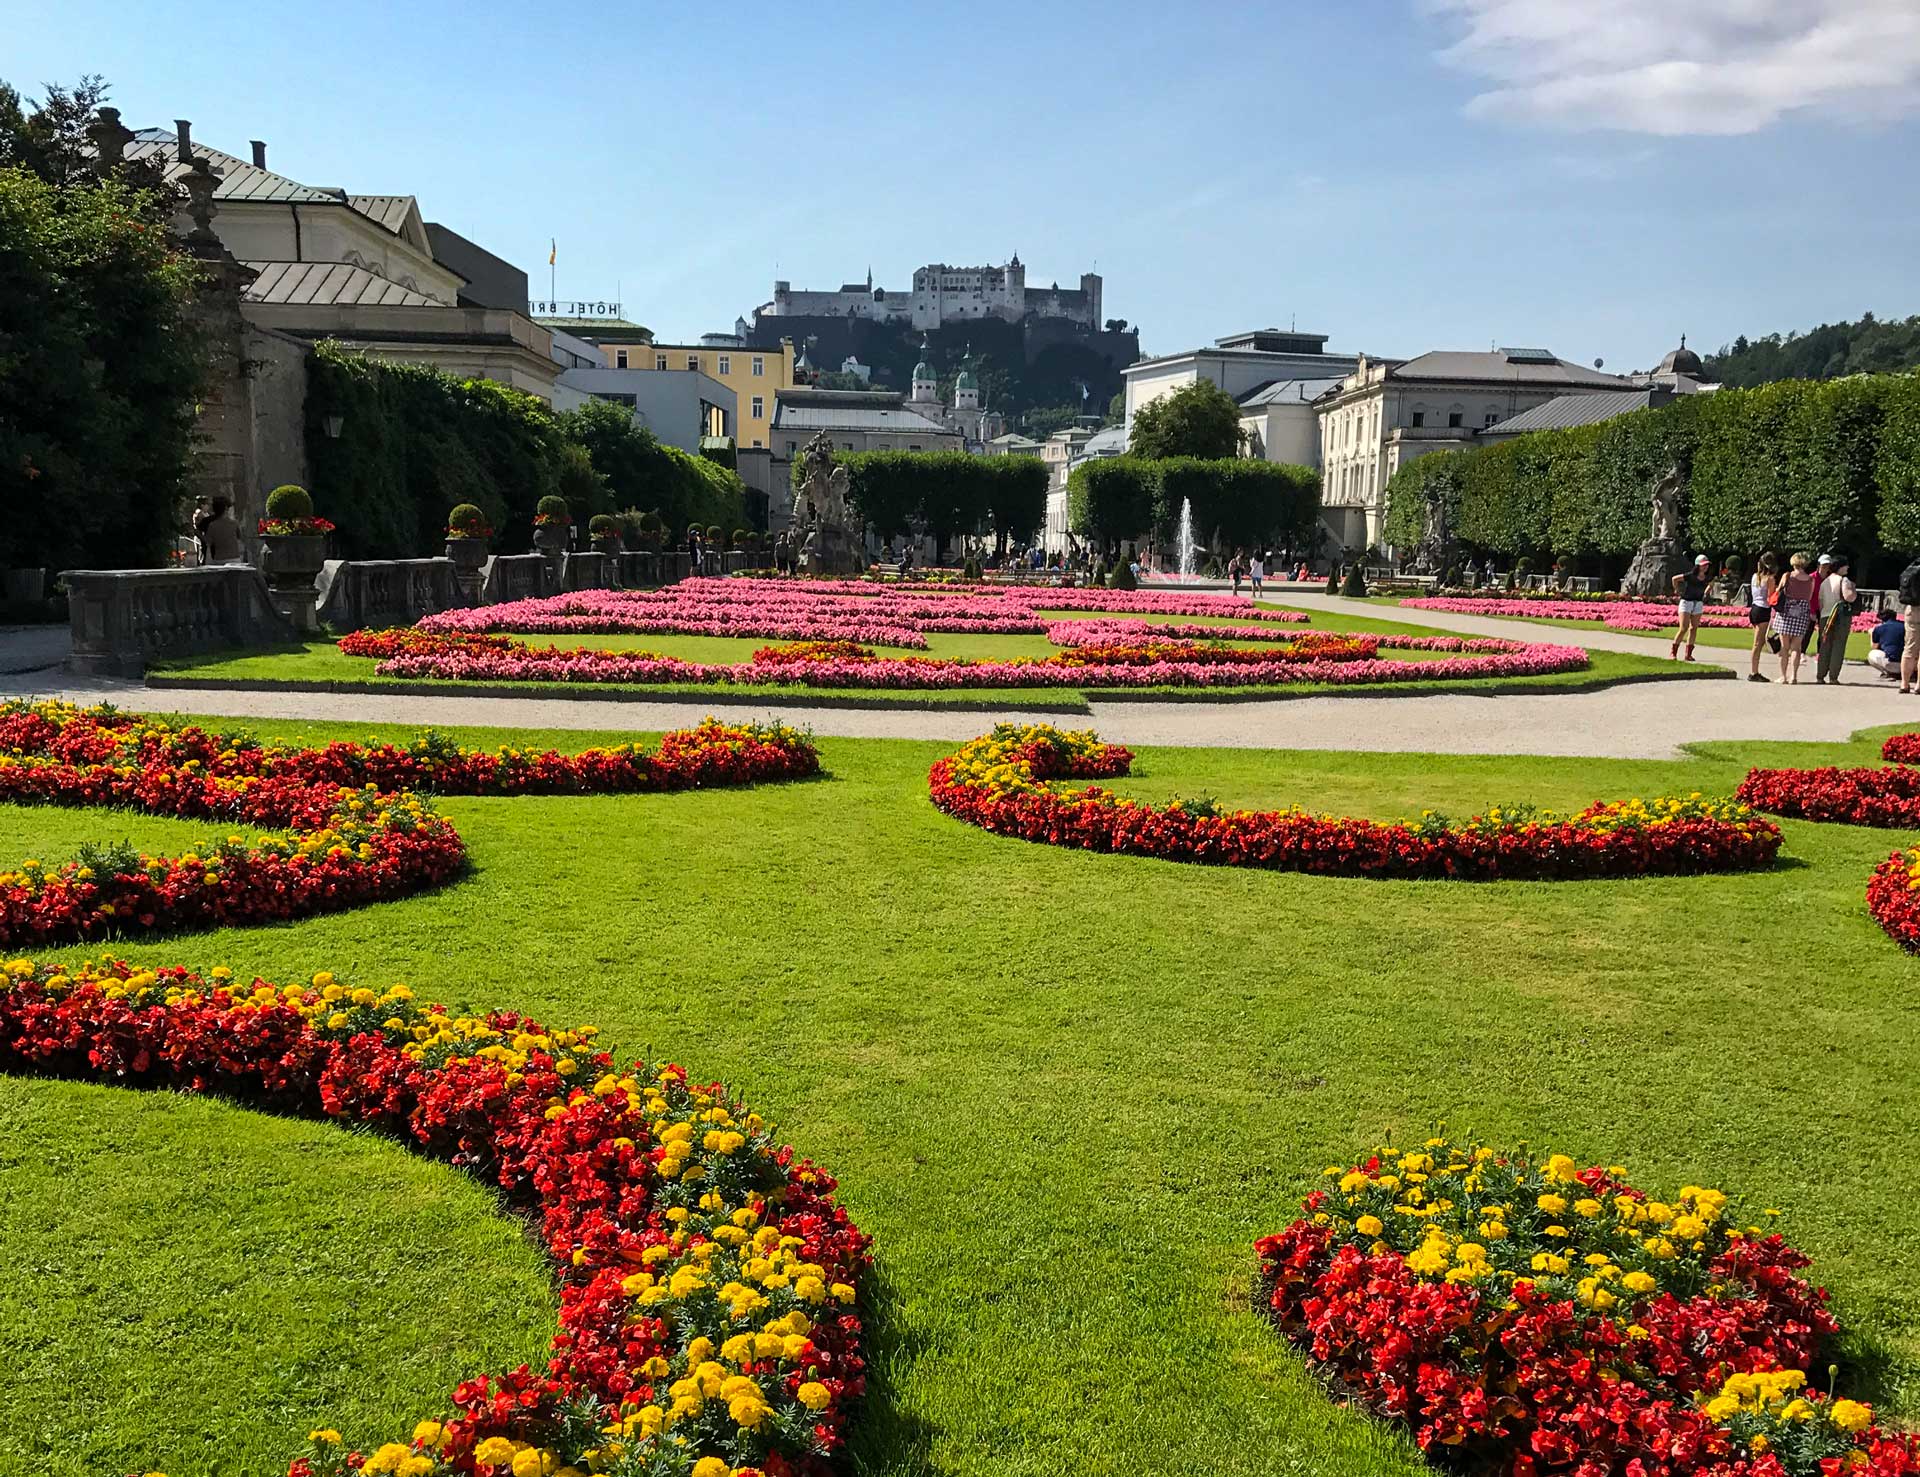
(553, 250)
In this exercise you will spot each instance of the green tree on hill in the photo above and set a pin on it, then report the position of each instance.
(1864, 346)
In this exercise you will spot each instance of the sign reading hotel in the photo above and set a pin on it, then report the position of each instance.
(559, 308)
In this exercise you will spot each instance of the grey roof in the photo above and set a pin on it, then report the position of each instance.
(1013, 438)
(1563, 411)
(386, 210)
(1108, 441)
(1274, 392)
(330, 283)
(788, 417)
(1496, 365)
(239, 180)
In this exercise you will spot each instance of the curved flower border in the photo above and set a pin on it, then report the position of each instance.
(1528, 1316)
(358, 829)
(1887, 797)
(1133, 663)
(708, 1311)
(1001, 783)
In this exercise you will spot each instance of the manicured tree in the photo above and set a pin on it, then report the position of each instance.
(1333, 578)
(1111, 498)
(1199, 419)
(1354, 586)
(289, 503)
(1122, 577)
(1016, 496)
(1897, 465)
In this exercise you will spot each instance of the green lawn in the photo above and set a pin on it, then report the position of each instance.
(321, 662)
(1064, 1091)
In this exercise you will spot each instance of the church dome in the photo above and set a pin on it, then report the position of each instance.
(966, 381)
(1683, 361)
(924, 371)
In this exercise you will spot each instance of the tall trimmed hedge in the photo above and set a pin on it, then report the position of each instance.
(1797, 464)
(946, 492)
(1237, 502)
(414, 441)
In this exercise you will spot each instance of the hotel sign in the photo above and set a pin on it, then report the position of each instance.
(561, 308)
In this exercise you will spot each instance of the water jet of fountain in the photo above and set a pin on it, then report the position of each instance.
(1188, 550)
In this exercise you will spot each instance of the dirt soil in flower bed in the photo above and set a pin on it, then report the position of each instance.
(1065, 1092)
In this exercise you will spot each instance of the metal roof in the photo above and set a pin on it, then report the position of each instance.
(1564, 411)
(789, 417)
(386, 210)
(1275, 392)
(330, 283)
(1499, 365)
(239, 180)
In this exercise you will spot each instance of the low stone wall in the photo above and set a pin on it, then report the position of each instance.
(124, 618)
(514, 577)
(643, 569)
(591, 570)
(361, 593)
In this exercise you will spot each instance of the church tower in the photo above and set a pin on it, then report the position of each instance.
(925, 383)
(966, 389)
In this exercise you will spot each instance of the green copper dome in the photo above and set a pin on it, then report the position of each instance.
(923, 371)
(966, 381)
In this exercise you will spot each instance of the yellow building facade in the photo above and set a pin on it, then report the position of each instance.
(753, 374)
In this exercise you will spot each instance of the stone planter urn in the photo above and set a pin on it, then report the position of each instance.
(469, 556)
(551, 541)
(290, 561)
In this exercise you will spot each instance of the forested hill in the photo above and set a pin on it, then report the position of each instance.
(1867, 346)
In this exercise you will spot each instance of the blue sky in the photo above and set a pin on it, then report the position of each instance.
(1398, 174)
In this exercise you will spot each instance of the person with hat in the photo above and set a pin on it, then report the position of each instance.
(1691, 587)
(1838, 600)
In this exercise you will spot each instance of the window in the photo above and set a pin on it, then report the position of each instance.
(759, 407)
(913, 448)
(846, 445)
(659, 361)
(759, 366)
(619, 358)
(1492, 416)
(756, 440)
(1419, 418)
(693, 363)
(1453, 419)
(792, 447)
(726, 365)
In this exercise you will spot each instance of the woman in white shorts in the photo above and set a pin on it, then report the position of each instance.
(1692, 590)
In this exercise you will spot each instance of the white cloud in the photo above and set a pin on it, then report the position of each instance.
(1700, 66)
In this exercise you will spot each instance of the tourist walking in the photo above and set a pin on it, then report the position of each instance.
(1762, 590)
(1257, 572)
(1691, 587)
(1889, 640)
(1793, 615)
(219, 535)
(1909, 593)
(1838, 600)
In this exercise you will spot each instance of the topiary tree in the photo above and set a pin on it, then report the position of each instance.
(600, 525)
(551, 511)
(288, 503)
(713, 535)
(467, 521)
(1122, 577)
(1333, 578)
(1354, 586)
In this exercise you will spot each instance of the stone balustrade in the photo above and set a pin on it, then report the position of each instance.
(514, 577)
(359, 593)
(124, 618)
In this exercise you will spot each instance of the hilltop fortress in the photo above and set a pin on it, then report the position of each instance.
(943, 295)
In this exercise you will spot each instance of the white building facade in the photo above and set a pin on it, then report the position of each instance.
(1241, 364)
(1388, 412)
(944, 294)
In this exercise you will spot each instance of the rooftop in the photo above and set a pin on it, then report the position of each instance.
(1287, 391)
(330, 283)
(808, 409)
(1530, 366)
(1564, 411)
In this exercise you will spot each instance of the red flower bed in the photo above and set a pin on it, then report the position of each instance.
(358, 831)
(1855, 797)
(710, 1284)
(1901, 748)
(1000, 783)
(1893, 898)
(1528, 1318)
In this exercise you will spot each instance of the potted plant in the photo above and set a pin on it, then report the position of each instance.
(293, 547)
(468, 533)
(604, 529)
(552, 524)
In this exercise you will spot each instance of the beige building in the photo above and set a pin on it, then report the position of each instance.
(756, 376)
(364, 269)
(1387, 412)
(1280, 423)
(1240, 364)
(855, 420)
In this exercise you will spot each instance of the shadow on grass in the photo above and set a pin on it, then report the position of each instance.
(887, 1437)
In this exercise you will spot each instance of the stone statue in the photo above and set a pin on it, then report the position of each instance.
(1666, 506)
(836, 511)
(1659, 558)
(821, 523)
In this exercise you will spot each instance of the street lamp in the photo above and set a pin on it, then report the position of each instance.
(334, 423)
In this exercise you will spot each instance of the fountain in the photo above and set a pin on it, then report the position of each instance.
(1188, 550)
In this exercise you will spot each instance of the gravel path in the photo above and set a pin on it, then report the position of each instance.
(1648, 720)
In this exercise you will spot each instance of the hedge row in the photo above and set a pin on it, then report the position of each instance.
(947, 493)
(1237, 502)
(414, 441)
(1799, 464)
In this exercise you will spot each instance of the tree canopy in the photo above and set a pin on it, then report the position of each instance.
(1199, 419)
(1864, 346)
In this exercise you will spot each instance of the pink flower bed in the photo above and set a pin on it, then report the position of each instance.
(455, 658)
(1618, 615)
(1105, 632)
(829, 610)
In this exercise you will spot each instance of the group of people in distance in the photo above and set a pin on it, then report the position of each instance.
(1809, 601)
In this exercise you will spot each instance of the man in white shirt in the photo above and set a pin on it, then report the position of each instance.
(1838, 599)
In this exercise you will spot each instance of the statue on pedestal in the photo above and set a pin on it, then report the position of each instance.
(821, 520)
(1659, 557)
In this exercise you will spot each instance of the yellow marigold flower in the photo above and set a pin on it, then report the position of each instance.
(1368, 1225)
(535, 1461)
(492, 1452)
(1587, 1208)
(814, 1396)
(388, 1458)
(711, 1466)
(1848, 1415)
(1560, 1169)
(842, 1292)
(416, 1466)
(1638, 1282)
(326, 1435)
(1552, 1204)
